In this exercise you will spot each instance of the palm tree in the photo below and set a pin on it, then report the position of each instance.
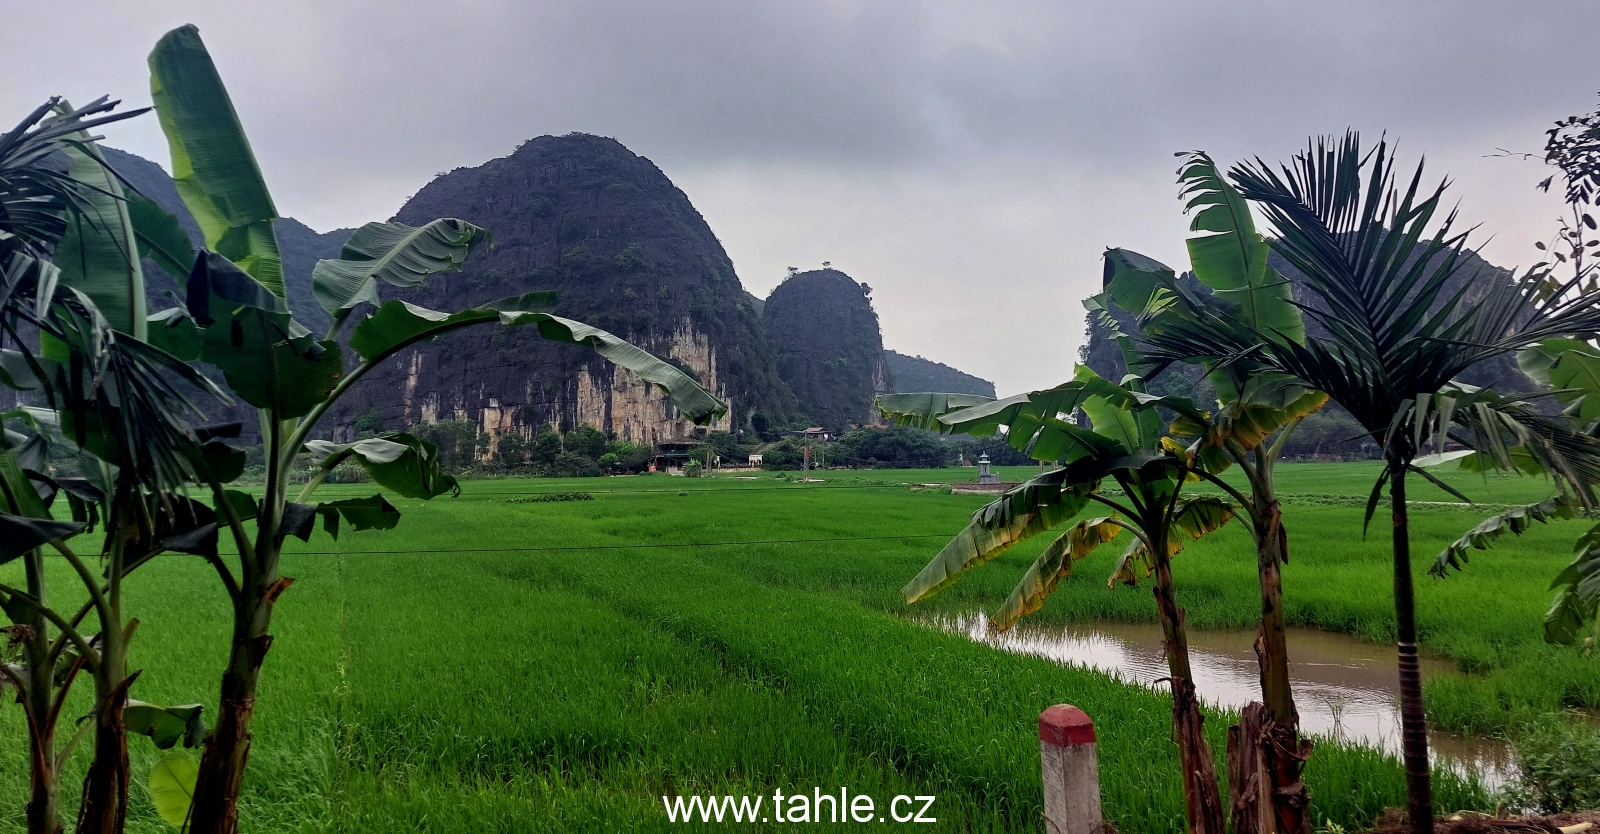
(1379, 262)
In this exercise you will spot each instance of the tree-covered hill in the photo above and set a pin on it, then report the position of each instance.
(830, 350)
(914, 373)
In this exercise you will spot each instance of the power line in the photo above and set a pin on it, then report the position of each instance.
(662, 491)
(746, 543)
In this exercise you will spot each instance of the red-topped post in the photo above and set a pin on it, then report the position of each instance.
(1071, 772)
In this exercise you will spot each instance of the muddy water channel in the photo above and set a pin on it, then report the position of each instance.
(1344, 689)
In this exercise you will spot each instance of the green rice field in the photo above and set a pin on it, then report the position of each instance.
(496, 665)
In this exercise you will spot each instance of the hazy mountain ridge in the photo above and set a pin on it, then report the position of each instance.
(626, 251)
(914, 373)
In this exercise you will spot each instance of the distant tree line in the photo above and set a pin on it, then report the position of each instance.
(582, 452)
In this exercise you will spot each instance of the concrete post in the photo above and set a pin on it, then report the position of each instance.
(1071, 773)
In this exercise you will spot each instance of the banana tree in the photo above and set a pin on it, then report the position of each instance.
(1126, 445)
(113, 400)
(1571, 367)
(1229, 258)
(236, 319)
(1382, 269)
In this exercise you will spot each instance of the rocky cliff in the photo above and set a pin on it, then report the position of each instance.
(626, 251)
(830, 351)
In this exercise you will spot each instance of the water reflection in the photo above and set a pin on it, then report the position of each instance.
(1344, 689)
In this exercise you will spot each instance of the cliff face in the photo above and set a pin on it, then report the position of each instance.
(626, 251)
(830, 350)
(913, 373)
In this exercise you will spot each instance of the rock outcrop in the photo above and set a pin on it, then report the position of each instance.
(830, 351)
(626, 251)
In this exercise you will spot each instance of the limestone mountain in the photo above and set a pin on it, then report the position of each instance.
(830, 351)
(913, 373)
(626, 251)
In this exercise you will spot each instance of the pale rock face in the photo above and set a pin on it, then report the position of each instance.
(613, 400)
(636, 411)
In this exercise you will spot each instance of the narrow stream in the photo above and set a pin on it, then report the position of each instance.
(1344, 688)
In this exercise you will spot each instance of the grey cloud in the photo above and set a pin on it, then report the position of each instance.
(965, 155)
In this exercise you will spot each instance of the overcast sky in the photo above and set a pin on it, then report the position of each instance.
(969, 161)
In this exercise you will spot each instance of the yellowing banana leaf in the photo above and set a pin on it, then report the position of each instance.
(1038, 505)
(1247, 422)
(1198, 517)
(1191, 519)
(1133, 565)
(212, 163)
(1052, 566)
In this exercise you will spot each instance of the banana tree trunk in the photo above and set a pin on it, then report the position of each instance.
(105, 788)
(215, 808)
(1265, 753)
(1413, 722)
(1202, 798)
(36, 691)
(43, 814)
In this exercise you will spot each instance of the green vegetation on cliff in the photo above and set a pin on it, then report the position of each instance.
(830, 351)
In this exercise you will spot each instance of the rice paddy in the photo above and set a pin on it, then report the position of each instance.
(502, 664)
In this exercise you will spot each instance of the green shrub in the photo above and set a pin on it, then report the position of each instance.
(551, 497)
(546, 448)
(785, 454)
(586, 441)
(899, 447)
(457, 441)
(574, 465)
(1560, 763)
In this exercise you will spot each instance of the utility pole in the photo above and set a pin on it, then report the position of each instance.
(805, 461)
